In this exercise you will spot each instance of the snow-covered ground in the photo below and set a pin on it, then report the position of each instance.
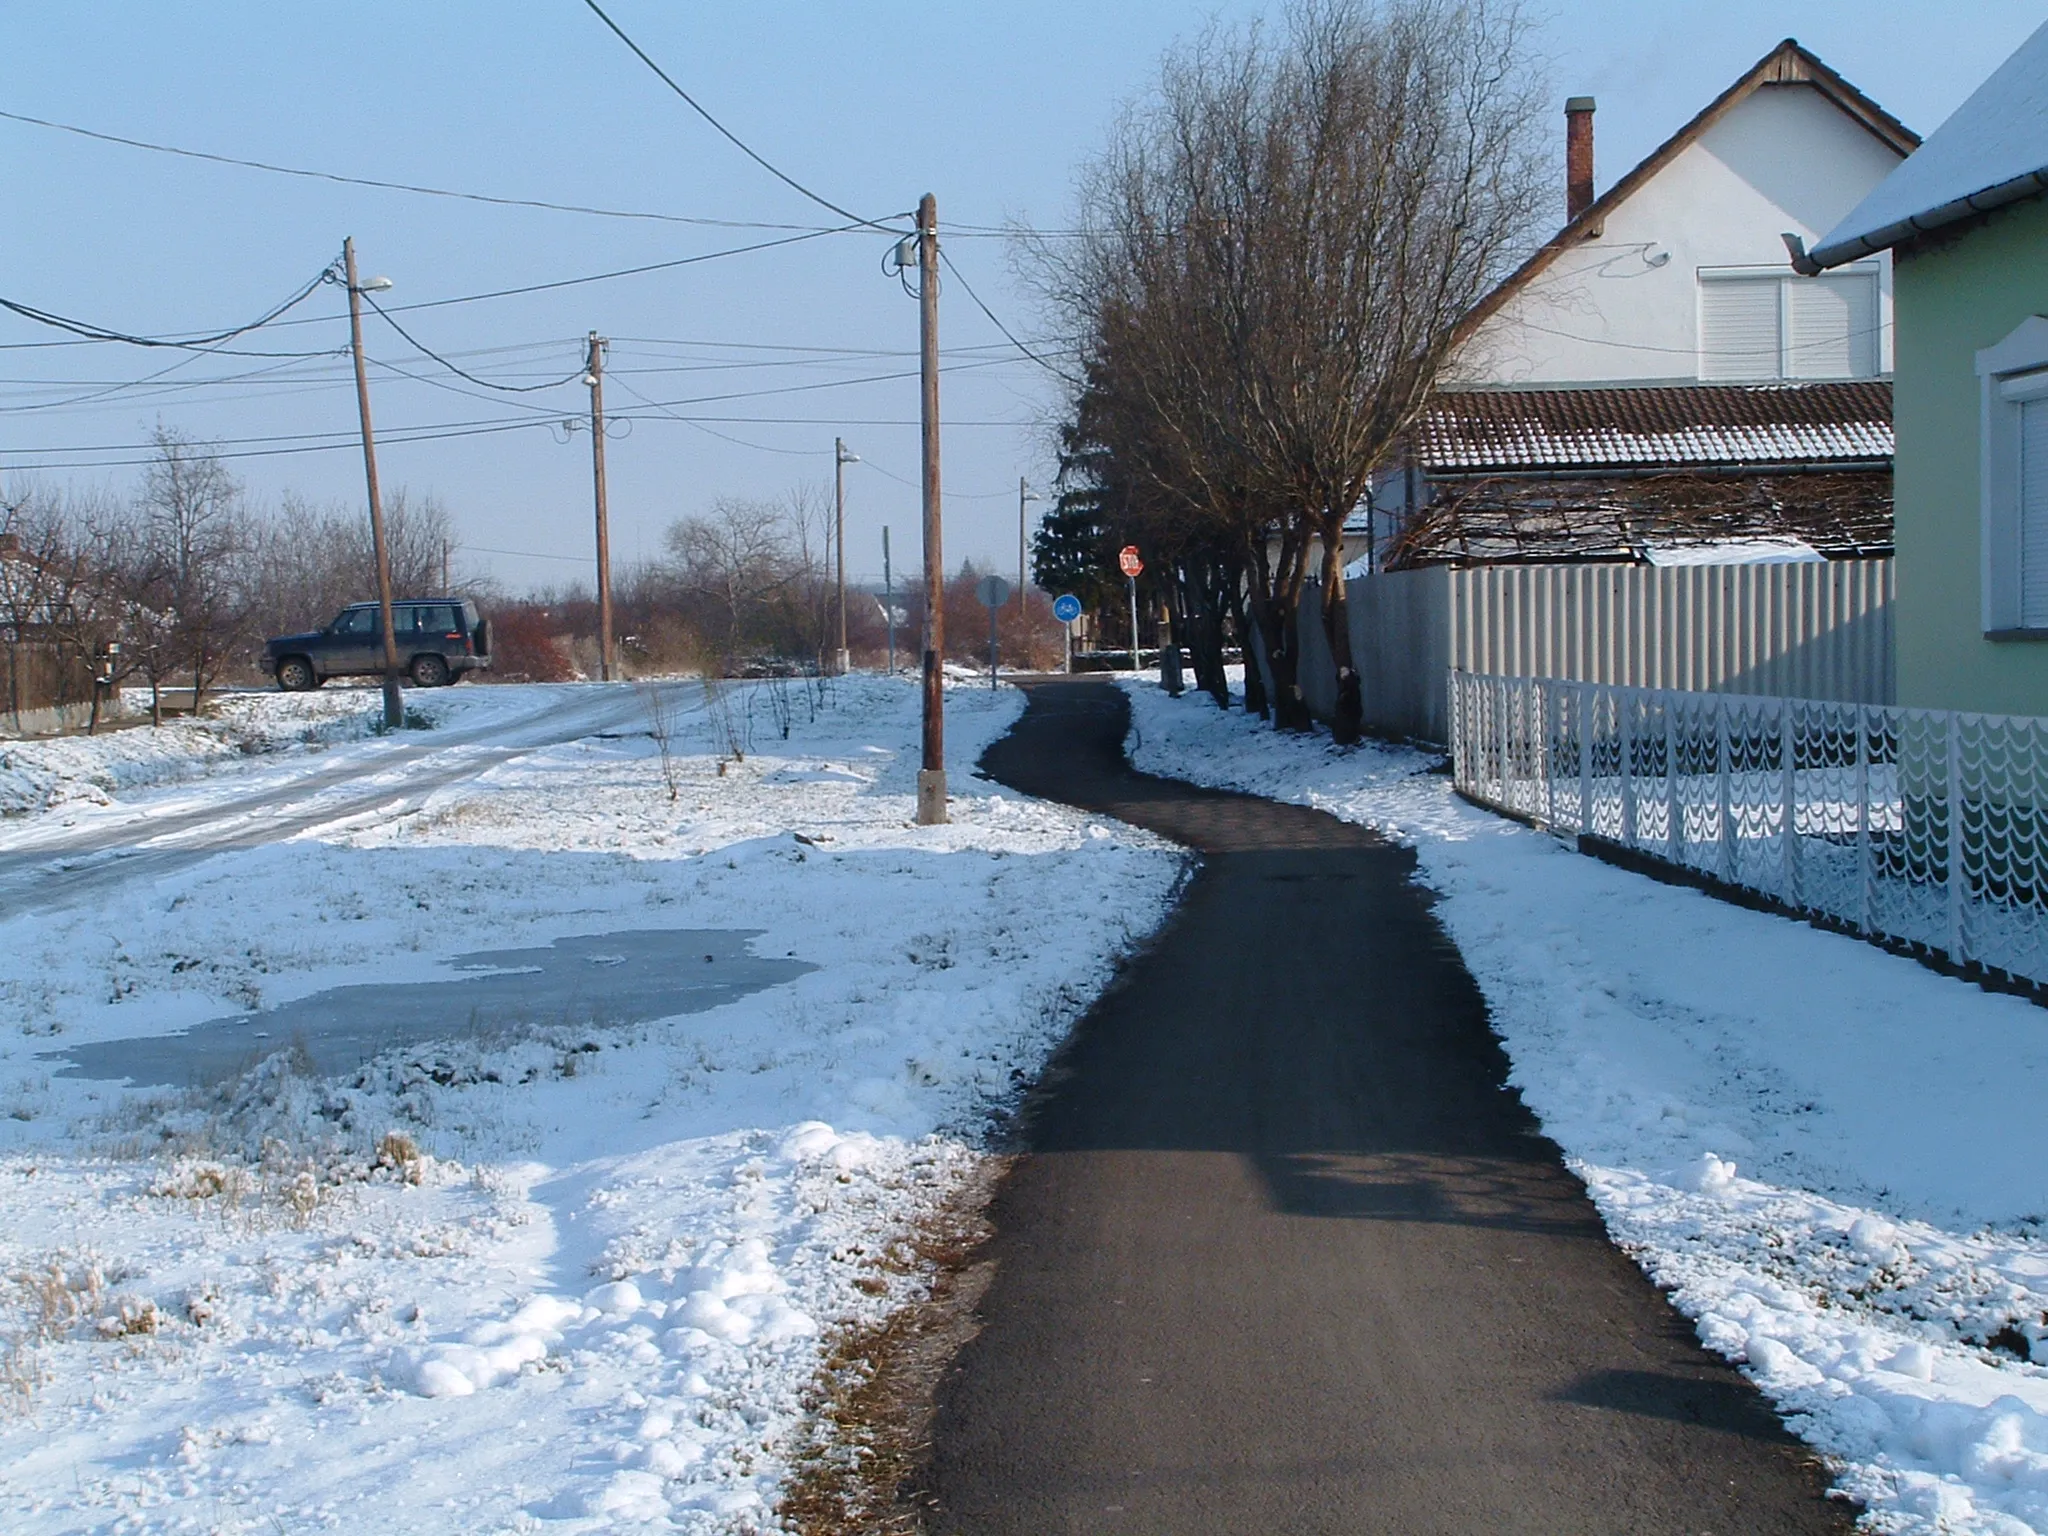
(74, 772)
(1835, 1159)
(546, 1273)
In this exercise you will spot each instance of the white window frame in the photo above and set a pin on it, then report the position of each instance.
(1872, 271)
(2013, 371)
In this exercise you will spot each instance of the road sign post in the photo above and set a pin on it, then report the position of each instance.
(993, 592)
(1128, 562)
(1067, 608)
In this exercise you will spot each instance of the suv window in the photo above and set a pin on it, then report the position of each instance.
(355, 621)
(434, 618)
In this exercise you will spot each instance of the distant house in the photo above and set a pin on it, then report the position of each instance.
(1653, 383)
(1965, 221)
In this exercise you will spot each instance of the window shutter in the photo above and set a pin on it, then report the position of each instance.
(2033, 510)
(1834, 326)
(1739, 328)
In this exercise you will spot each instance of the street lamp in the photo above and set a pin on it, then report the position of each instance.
(843, 662)
(1024, 494)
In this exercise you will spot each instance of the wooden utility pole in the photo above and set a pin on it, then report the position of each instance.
(931, 778)
(594, 376)
(394, 698)
(840, 459)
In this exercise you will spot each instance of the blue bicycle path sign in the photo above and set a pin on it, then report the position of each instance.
(1066, 607)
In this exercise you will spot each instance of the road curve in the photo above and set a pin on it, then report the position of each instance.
(1285, 1252)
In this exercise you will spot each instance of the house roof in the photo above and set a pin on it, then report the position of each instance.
(1647, 427)
(1678, 517)
(1993, 151)
(1786, 64)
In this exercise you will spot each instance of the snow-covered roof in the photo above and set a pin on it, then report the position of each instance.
(1993, 151)
(1732, 426)
(1785, 551)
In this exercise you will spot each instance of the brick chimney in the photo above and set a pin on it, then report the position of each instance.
(1578, 156)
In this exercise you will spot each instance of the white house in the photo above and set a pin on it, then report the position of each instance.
(1658, 345)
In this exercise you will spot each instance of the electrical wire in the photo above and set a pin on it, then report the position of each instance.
(955, 495)
(524, 554)
(394, 186)
(123, 386)
(953, 267)
(326, 442)
(605, 277)
(732, 138)
(506, 389)
(711, 432)
(93, 332)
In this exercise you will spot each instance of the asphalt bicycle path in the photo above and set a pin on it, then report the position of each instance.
(64, 867)
(1285, 1254)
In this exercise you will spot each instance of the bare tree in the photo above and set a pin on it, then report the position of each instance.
(192, 531)
(317, 560)
(1283, 240)
(736, 567)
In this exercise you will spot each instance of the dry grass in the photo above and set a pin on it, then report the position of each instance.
(863, 1466)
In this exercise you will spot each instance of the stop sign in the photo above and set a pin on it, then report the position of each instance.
(1129, 563)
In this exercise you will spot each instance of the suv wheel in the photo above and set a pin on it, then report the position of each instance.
(295, 674)
(429, 671)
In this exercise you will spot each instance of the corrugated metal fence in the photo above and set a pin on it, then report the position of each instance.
(1814, 630)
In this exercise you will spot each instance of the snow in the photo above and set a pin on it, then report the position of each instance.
(1997, 136)
(1786, 551)
(83, 770)
(544, 1274)
(1833, 1158)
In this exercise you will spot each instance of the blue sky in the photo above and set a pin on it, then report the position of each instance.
(990, 107)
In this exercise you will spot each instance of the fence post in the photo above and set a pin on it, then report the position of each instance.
(1958, 949)
(1674, 801)
(1729, 864)
(1864, 873)
(1553, 712)
(1585, 757)
(1624, 710)
(1453, 698)
(1788, 829)
(1500, 733)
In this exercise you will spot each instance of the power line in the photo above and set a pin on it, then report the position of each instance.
(952, 267)
(712, 432)
(394, 186)
(732, 138)
(422, 347)
(605, 277)
(92, 332)
(230, 449)
(524, 554)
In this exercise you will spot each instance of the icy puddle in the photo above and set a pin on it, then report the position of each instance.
(609, 978)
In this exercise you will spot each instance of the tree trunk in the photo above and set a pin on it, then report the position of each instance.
(1255, 702)
(1277, 611)
(156, 701)
(1348, 720)
(1169, 643)
(1205, 599)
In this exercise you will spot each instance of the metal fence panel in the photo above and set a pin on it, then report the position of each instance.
(1806, 630)
(1928, 827)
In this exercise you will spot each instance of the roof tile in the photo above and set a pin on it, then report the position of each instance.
(1719, 426)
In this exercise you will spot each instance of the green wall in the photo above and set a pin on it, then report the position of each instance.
(1953, 298)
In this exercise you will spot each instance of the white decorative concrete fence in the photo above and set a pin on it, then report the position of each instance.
(1926, 827)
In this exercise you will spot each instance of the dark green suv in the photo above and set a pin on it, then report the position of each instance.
(439, 639)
